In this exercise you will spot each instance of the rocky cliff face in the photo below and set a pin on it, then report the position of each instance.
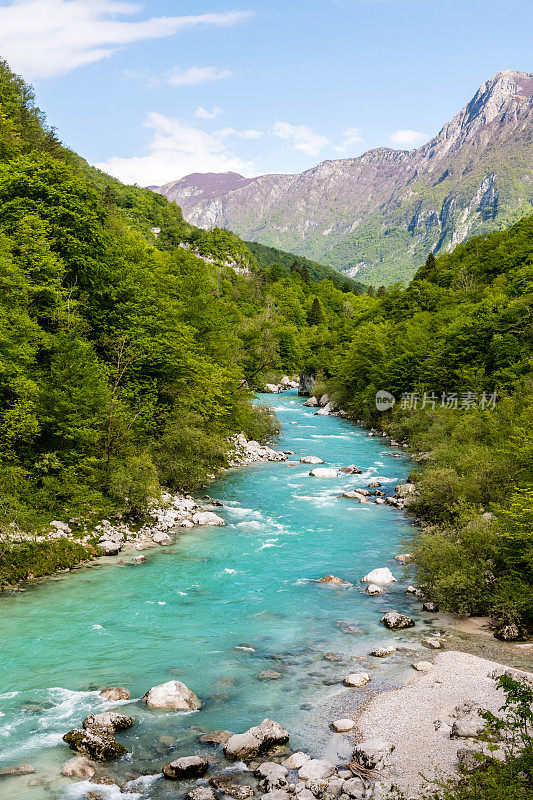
(377, 216)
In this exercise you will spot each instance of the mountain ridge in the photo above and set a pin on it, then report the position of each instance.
(379, 214)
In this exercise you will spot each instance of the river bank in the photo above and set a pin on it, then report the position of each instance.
(241, 600)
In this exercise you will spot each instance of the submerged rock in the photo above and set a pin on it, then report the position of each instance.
(115, 693)
(224, 783)
(215, 737)
(256, 740)
(94, 743)
(12, 772)
(173, 695)
(186, 767)
(382, 652)
(332, 580)
(356, 679)
(79, 767)
(397, 621)
(269, 675)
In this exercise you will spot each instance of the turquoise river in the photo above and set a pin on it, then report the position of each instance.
(186, 611)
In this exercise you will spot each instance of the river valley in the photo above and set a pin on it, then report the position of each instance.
(217, 608)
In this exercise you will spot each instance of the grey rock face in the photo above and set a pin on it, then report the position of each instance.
(330, 212)
(306, 384)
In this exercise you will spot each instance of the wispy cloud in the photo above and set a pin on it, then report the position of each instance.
(195, 75)
(45, 38)
(301, 137)
(177, 149)
(406, 139)
(204, 113)
(352, 136)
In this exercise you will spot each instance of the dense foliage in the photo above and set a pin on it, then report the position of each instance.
(127, 336)
(460, 333)
(268, 257)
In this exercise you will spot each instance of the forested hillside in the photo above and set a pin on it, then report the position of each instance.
(267, 257)
(458, 335)
(127, 335)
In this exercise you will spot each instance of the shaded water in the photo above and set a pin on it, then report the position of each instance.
(181, 615)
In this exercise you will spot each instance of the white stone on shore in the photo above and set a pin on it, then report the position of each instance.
(422, 666)
(381, 652)
(316, 769)
(343, 725)
(356, 679)
(382, 576)
(161, 538)
(296, 760)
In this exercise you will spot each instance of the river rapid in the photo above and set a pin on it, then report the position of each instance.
(187, 611)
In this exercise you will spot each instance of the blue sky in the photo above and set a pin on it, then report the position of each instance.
(153, 91)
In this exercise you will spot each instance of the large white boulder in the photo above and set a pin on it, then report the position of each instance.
(311, 460)
(173, 695)
(382, 576)
(324, 472)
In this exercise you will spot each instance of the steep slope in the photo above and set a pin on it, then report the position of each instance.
(377, 216)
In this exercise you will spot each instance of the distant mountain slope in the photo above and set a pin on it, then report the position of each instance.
(377, 216)
(266, 257)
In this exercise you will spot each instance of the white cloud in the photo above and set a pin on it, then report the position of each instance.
(406, 139)
(204, 113)
(301, 137)
(225, 133)
(352, 136)
(45, 38)
(194, 75)
(175, 150)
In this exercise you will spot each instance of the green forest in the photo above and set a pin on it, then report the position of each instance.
(128, 339)
(131, 343)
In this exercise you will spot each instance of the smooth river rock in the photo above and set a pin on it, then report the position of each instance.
(382, 576)
(333, 580)
(343, 725)
(256, 740)
(316, 769)
(186, 767)
(311, 460)
(79, 767)
(356, 679)
(172, 695)
(373, 589)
